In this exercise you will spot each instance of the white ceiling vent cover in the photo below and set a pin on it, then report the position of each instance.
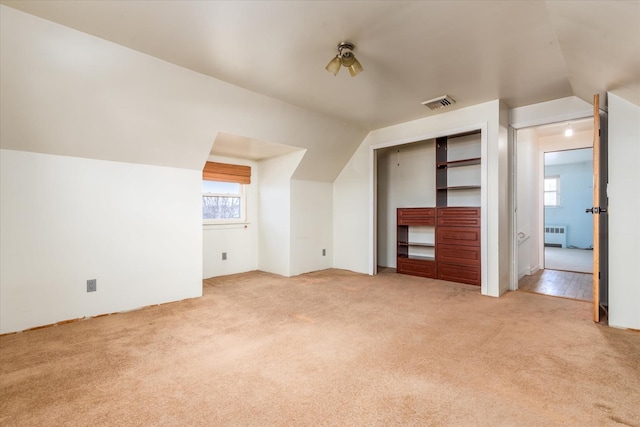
(439, 102)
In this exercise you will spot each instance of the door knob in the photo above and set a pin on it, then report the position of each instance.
(595, 210)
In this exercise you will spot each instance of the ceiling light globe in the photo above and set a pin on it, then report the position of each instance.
(334, 65)
(355, 68)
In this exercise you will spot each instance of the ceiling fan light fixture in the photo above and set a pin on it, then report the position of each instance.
(334, 65)
(345, 58)
(355, 68)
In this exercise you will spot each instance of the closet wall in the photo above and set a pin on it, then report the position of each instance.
(406, 178)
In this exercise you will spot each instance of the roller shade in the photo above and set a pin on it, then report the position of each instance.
(225, 172)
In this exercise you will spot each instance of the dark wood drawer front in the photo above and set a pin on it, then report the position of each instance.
(459, 273)
(417, 267)
(468, 236)
(416, 216)
(466, 255)
(459, 217)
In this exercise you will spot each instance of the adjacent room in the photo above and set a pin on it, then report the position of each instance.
(319, 213)
(555, 227)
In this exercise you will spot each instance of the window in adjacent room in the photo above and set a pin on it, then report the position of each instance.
(552, 191)
(223, 198)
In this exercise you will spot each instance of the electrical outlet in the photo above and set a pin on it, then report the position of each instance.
(92, 285)
(324, 252)
(224, 256)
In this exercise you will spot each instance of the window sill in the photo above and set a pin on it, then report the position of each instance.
(225, 225)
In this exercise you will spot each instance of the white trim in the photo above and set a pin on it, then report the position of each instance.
(484, 202)
(373, 212)
(546, 121)
(243, 207)
(514, 189)
(514, 273)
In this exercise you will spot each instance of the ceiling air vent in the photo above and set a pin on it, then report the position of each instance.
(439, 102)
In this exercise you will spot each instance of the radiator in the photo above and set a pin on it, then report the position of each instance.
(555, 235)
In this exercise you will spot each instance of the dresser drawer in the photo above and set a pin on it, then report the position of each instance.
(416, 216)
(467, 236)
(461, 255)
(417, 267)
(459, 217)
(459, 273)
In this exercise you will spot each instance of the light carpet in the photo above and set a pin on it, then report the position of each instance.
(327, 348)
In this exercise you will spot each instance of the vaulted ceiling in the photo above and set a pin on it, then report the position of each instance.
(523, 52)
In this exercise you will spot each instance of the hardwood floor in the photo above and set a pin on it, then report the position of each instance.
(564, 284)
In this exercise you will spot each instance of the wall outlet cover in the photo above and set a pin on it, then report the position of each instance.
(92, 285)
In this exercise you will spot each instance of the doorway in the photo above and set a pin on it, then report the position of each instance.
(567, 192)
(554, 187)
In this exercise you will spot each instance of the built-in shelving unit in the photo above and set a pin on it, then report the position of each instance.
(416, 241)
(444, 241)
(458, 169)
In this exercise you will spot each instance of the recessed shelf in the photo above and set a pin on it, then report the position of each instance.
(426, 245)
(459, 163)
(420, 258)
(459, 187)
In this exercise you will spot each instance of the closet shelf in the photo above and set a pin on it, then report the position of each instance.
(459, 187)
(426, 245)
(420, 258)
(459, 163)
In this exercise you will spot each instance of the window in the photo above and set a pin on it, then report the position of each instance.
(222, 201)
(223, 192)
(552, 191)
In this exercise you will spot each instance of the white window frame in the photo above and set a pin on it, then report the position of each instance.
(243, 207)
(556, 178)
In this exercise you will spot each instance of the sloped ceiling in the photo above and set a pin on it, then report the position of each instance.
(522, 52)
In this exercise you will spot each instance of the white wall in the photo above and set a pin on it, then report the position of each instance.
(353, 197)
(239, 241)
(581, 139)
(406, 178)
(528, 193)
(311, 226)
(624, 181)
(134, 228)
(64, 92)
(69, 93)
(558, 110)
(274, 205)
(624, 205)
(500, 187)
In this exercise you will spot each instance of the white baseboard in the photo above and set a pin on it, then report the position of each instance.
(528, 272)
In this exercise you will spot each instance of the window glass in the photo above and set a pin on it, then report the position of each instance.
(552, 191)
(222, 200)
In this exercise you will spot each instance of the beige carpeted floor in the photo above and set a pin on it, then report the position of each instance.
(328, 348)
